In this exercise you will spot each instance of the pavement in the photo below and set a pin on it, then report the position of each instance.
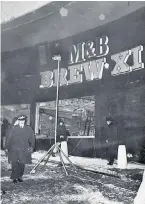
(50, 185)
(133, 171)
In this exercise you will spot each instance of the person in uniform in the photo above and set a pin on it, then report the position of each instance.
(19, 146)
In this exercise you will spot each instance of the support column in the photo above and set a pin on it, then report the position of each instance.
(32, 115)
(37, 119)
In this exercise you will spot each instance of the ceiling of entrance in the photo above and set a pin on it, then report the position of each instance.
(48, 23)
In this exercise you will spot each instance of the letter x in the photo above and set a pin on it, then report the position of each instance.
(121, 66)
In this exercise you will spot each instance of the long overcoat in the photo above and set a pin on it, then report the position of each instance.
(61, 133)
(112, 133)
(19, 143)
(112, 137)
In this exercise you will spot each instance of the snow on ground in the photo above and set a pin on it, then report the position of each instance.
(102, 163)
(50, 185)
(140, 198)
(91, 162)
(4, 159)
(36, 156)
(83, 195)
(86, 194)
(29, 176)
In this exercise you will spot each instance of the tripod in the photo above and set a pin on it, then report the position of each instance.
(49, 154)
(56, 145)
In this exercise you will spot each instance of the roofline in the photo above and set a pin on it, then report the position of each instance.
(46, 10)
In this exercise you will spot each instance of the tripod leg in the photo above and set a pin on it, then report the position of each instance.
(63, 163)
(33, 170)
(49, 155)
(67, 158)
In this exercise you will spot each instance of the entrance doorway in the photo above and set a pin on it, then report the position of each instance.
(78, 115)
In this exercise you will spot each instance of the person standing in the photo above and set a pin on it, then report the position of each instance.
(4, 129)
(19, 146)
(112, 139)
(14, 122)
(61, 131)
(62, 137)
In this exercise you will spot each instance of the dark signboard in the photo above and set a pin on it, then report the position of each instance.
(97, 58)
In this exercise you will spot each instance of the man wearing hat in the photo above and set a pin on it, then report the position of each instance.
(112, 139)
(19, 146)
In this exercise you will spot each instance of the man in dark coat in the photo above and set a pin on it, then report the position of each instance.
(62, 137)
(19, 146)
(61, 131)
(112, 140)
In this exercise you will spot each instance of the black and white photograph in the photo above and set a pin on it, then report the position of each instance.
(72, 102)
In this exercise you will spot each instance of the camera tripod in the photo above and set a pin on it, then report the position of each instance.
(56, 145)
(49, 153)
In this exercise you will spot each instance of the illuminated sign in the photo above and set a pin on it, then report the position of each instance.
(87, 61)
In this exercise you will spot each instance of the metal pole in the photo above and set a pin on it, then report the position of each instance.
(63, 163)
(58, 58)
(42, 159)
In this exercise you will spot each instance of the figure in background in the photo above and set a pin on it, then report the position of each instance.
(19, 146)
(142, 149)
(1, 133)
(88, 122)
(4, 128)
(112, 140)
(14, 122)
(61, 131)
(62, 137)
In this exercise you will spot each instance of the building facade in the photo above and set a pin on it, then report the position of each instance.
(106, 62)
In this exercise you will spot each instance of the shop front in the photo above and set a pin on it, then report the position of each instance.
(101, 75)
